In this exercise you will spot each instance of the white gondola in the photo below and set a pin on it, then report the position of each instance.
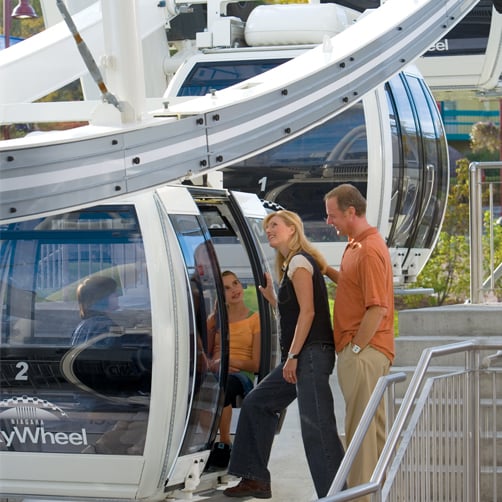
(469, 57)
(135, 405)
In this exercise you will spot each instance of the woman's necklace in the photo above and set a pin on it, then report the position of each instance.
(287, 260)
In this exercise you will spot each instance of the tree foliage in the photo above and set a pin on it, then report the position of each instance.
(447, 271)
(485, 136)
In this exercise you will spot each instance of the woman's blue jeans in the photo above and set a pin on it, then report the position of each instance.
(260, 414)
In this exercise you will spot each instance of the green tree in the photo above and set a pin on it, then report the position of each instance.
(497, 251)
(485, 136)
(447, 271)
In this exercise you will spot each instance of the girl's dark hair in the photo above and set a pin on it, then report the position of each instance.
(93, 293)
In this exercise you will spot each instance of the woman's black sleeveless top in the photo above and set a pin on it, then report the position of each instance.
(321, 330)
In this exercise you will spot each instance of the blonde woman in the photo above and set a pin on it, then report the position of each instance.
(308, 359)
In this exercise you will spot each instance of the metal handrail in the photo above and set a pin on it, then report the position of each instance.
(374, 486)
(382, 384)
(487, 361)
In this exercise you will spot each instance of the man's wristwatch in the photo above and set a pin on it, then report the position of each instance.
(292, 356)
(355, 348)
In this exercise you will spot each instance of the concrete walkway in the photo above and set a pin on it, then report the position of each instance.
(291, 481)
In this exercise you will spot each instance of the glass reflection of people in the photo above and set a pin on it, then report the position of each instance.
(307, 361)
(97, 296)
(244, 360)
(206, 386)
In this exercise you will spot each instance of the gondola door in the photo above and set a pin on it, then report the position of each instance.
(219, 233)
(234, 220)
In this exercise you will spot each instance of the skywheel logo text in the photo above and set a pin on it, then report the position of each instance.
(23, 421)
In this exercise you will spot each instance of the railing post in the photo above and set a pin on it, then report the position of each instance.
(475, 231)
(472, 480)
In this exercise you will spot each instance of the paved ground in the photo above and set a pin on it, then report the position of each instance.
(291, 481)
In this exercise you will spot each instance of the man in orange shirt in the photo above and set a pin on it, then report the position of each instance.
(363, 320)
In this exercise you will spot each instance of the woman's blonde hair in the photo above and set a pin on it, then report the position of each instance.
(298, 243)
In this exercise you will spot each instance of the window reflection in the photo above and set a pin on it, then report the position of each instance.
(435, 181)
(420, 176)
(206, 77)
(88, 386)
(297, 174)
(408, 163)
(201, 263)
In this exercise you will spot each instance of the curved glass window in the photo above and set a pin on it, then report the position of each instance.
(206, 387)
(405, 199)
(76, 350)
(206, 77)
(297, 174)
(435, 166)
(420, 165)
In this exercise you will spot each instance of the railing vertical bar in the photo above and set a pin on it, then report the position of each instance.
(443, 414)
(458, 435)
(435, 435)
(467, 446)
(405, 477)
(414, 473)
(463, 433)
(475, 226)
(475, 430)
(454, 424)
(449, 432)
(429, 418)
(424, 463)
(423, 467)
(417, 453)
(492, 241)
(493, 430)
(452, 428)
